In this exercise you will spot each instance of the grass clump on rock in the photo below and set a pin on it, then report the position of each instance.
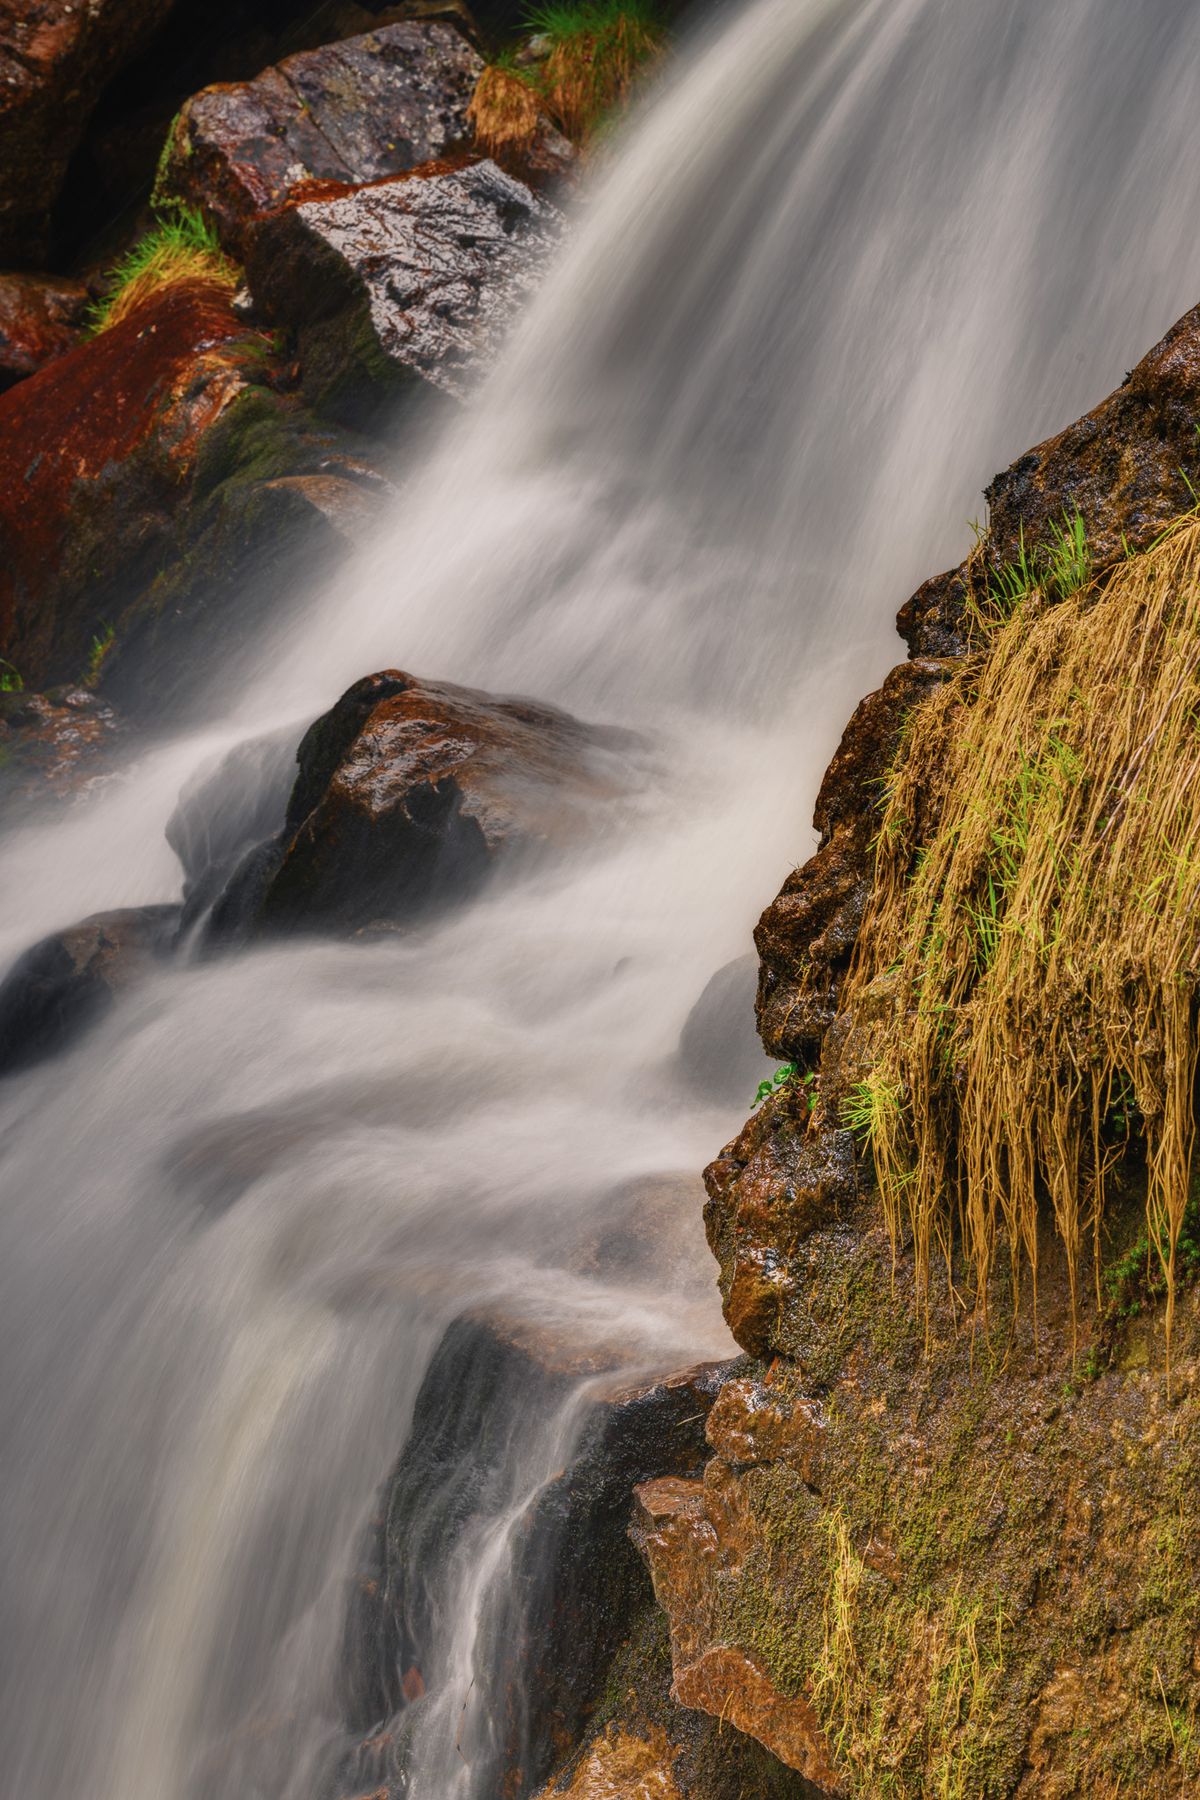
(593, 54)
(1035, 925)
(180, 247)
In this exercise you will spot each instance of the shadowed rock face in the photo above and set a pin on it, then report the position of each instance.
(351, 112)
(412, 278)
(41, 316)
(53, 746)
(55, 56)
(407, 795)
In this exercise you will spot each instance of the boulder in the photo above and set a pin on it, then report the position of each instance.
(408, 794)
(349, 112)
(41, 316)
(149, 489)
(406, 281)
(55, 58)
(69, 980)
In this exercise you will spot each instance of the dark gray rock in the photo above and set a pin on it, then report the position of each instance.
(348, 112)
(408, 282)
(68, 981)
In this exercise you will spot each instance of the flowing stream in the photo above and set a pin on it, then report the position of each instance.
(853, 256)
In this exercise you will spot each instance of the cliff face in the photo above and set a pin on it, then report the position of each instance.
(944, 1543)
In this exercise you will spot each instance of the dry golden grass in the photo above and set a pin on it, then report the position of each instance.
(590, 73)
(182, 247)
(1035, 927)
(504, 112)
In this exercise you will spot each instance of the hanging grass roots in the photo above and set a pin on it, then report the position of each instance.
(1034, 928)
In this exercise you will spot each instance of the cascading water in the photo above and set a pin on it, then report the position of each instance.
(856, 255)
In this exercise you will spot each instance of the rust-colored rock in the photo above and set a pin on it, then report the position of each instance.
(695, 1536)
(349, 112)
(408, 794)
(141, 493)
(41, 317)
(621, 1766)
(55, 57)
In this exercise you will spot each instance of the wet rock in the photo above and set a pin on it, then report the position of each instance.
(1128, 467)
(688, 1531)
(806, 936)
(408, 794)
(228, 809)
(350, 112)
(622, 1766)
(53, 746)
(150, 507)
(41, 317)
(407, 280)
(68, 981)
(576, 1576)
(719, 1051)
(55, 58)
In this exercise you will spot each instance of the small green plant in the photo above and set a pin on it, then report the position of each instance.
(10, 679)
(181, 246)
(784, 1073)
(1139, 1278)
(102, 643)
(1058, 568)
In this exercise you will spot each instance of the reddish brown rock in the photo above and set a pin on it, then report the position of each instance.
(409, 792)
(694, 1535)
(350, 112)
(806, 936)
(41, 317)
(55, 57)
(136, 499)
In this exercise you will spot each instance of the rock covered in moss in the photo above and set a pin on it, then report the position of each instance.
(407, 280)
(351, 112)
(148, 485)
(409, 794)
(41, 317)
(909, 1526)
(55, 58)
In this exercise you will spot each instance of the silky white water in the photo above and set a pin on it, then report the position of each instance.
(854, 256)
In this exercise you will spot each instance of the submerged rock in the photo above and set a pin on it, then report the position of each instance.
(407, 279)
(148, 489)
(41, 317)
(408, 794)
(350, 112)
(55, 57)
(68, 981)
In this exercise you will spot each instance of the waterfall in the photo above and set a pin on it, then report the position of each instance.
(852, 257)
